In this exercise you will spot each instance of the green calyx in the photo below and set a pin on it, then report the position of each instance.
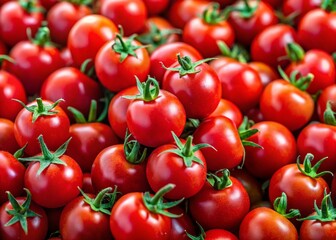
(40, 109)
(301, 82)
(187, 151)
(79, 117)
(190, 127)
(47, 158)
(6, 58)
(237, 52)
(30, 6)
(104, 200)
(220, 180)
(156, 36)
(246, 10)
(280, 206)
(199, 237)
(156, 203)
(134, 152)
(148, 91)
(81, 2)
(308, 169)
(329, 115)
(213, 15)
(327, 213)
(19, 212)
(187, 66)
(329, 5)
(295, 52)
(42, 37)
(87, 71)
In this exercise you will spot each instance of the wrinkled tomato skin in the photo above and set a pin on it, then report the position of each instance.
(111, 168)
(56, 185)
(314, 229)
(278, 227)
(12, 176)
(37, 226)
(131, 220)
(89, 225)
(7, 139)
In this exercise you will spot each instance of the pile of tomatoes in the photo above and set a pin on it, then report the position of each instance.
(158, 119)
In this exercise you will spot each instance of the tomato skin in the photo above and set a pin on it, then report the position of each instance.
(166, 55)
(237, 78)
(88, 35)
(87, 183)
(279, 149)
(318, 63)
(246, 29)
(291, 181)
(221, 133)
(31, 59)
(315, 230)
(199, 93)
(188, 180)
(54, 128)
(7, 139)
(205, 41)
(37, 226)
(12, 176)
(212, 208)
(110, 69)
(56, 185)
(61, 18)
(181, 225)
(131, 220)
(270, 44)
(219, 234)
(10, 88)
(151, 123)
(89, 225)
(284, 103)
(156, 7)
(328, 94)
(316, 29)
(264, 224)
(130, 14)
(299, 7)
(266, 73)
(15, 20)
(111, 168)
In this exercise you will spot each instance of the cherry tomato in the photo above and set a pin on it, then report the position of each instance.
(298, 8)
(7, 139)
(327, 95)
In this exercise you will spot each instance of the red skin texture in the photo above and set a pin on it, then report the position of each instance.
(76, 88)
(318, 63)
(7, 139)
(316, 29)
(328, 94)
(158, 117)
(87, 183)
(56, 185)
(199, 93)
(111, 168)
(12, 176)
(246, 29)
(10, 88)
(205, 41)
(284, 103)
(61, 18)
(264, 224)
(213, 208)
(266, 73)
(219, 234)
(220, 61)
(131, 220)
(88, 35)
(110, 69)
(156, 7)
(89, 225)
(221, 133)
(54, 215)
(181, 225)
(37, 226)
(317, 230)
(89, 139)
(14, 21)
(270, 45)
(166, 55)
(54, 128)
(301, 190)
(31, 59)
(241, 85)
(279, 149)
(300, 7)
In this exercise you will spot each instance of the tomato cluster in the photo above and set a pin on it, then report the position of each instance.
(167, 120)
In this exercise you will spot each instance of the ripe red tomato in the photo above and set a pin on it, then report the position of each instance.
(327, 95)
(7, 139)
(266, 73)
(181, 225)
(298, 8)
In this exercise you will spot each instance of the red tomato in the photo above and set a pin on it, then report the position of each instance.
(12, 176)
(278, 149)
(41, 117)
(88, 35)
(254, 16)
(298, 8)
(52, 178)
(213, 206)
(266, 73)
(61, 17)
(122, 58)
(28, 221)
(87, 183)
(156, 7)
(7, 139)
(195, 84)
(327, 95)
(16, 17)
(217, 234)
(181, 225)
